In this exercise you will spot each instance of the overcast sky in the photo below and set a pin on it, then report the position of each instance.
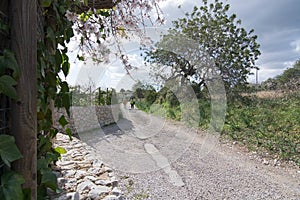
(275, 22)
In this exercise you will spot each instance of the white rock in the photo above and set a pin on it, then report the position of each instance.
(92, 178)
(116, 191)
(107, 169)
(78, 145)
(97, 163)
(107, 182)
(69, 173)
(85, 185)
(94, 171)
(112, 197)
(76, 196)
(265, 162)
(102, 182)
(62, 181)
(80, 174)
(71, 184)
(69, 196)
(64, 163)
(98, 191)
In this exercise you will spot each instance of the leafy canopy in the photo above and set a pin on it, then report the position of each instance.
(206, 41)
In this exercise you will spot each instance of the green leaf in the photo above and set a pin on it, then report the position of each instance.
(64, 87)
(46, 3)
(6, 87)
(27, 194)
(66, 68)
(69, 132)
(60, 150)
(8, 61)
(11, 185)
(49, 180)
(8, 149)
(58, 57)
(50, 34)
(66, 100)
(62, 121)
(42, 164)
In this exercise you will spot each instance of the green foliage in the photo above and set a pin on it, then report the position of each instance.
(288, 80)
(206, 41)
(266, 124)
(270, 124)
(10, 187)
(7, 84)
(8, 61)
(10, 181)
(85, 97)
(8, 149)
(8, 65)
(52, 90)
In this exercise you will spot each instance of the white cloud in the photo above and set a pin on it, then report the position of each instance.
(171, 3)
(296, 45)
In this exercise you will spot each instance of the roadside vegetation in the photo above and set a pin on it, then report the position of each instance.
(268, 122)
(263, 117)
(205, 46)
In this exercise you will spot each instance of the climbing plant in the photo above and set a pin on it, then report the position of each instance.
(10, 181)
(63, 21)
(66, 20)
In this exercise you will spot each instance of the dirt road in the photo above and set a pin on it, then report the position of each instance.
(159, 159)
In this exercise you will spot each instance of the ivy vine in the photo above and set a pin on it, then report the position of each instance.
(10, 181)
(60, 19)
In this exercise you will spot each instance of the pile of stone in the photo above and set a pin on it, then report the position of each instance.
(81, 175)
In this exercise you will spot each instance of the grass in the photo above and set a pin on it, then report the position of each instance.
(269, 124)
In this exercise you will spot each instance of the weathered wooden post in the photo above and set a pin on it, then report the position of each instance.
(23, 23)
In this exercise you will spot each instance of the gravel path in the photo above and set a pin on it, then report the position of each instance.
(158, 159)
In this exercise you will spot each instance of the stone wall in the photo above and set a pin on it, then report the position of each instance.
(88, 117)
(81, 175)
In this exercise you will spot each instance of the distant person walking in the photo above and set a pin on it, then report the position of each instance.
(132, 102)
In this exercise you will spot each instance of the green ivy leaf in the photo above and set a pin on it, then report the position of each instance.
(58, 57)
(69, 133)
(64, 87)
(50, 34)
(60, 150)
(44, 145)
(66, 68)
(66, 100)
(11, 185)
(6, 87)
(8, 61)
(8, 149)
(46, 3)
(62, 121)
(49, 180)
(42, 164)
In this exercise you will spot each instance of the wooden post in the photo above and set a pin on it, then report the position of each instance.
(23, 23)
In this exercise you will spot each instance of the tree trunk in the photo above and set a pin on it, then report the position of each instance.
(23, 23)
